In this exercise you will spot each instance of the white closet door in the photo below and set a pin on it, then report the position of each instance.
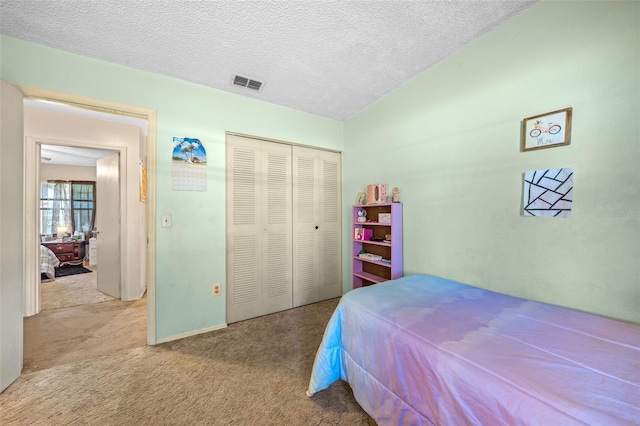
(316, 226)
(244, 215)
(330, 244)
(258, 228)
(277, 227)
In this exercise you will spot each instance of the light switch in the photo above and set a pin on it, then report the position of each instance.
(165, 220)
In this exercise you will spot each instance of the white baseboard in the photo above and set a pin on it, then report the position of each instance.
(191, 333)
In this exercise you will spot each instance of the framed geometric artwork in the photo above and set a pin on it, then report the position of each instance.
(548, 192)
(546, 130)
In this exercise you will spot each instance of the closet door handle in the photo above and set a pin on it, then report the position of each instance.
(316, 226)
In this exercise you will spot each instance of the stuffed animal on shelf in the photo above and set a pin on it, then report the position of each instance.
(395, 197)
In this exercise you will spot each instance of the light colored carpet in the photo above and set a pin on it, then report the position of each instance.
(72, 290)
(72, 334)
(254, 372)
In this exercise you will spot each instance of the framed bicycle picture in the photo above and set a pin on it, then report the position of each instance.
(547, 130)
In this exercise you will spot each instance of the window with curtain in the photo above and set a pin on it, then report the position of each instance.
(67, 206)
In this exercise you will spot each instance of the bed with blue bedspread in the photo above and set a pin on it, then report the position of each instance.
(423, 350)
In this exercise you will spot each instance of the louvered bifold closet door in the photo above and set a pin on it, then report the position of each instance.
(277, 227)
(258, 228)
(317, 266)
(330, 244)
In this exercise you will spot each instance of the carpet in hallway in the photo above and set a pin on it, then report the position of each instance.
(72, 290)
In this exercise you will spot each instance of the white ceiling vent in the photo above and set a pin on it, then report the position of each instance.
(247, 82)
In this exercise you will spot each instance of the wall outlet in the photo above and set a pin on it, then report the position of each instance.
(216, 290)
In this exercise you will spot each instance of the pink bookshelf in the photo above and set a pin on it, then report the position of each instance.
(385, 257)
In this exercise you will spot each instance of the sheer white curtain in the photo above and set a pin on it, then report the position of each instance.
(55, 207)
(83, 206)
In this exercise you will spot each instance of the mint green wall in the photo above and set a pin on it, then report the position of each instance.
(450, 141)
(190, 254)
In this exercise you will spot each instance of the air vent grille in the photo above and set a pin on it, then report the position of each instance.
(247, 82)
(240, 81)
(255, 85)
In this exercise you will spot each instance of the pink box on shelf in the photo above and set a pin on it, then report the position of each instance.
(384, 217)
(363, 234)
(377, 193)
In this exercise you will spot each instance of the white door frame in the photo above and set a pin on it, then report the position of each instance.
(32, 157)
(32, 212)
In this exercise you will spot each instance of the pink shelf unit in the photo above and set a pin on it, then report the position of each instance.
(367, 271)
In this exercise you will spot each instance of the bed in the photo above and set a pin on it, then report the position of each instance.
(48, 264)
(423, 350)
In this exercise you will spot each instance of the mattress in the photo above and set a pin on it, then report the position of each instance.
(424, 350)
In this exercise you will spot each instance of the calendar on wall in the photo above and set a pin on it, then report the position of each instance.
(189, 165)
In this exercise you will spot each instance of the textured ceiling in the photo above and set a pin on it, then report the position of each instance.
(329, 58)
